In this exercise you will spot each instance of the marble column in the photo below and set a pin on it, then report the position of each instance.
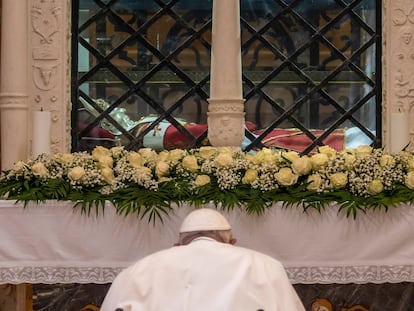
(398, 71)
(14, 83)
(226, 103)
(14, 114)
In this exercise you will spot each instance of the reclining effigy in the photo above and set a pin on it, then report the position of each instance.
(166, 136)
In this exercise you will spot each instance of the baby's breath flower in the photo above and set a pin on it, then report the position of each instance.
(363, 172)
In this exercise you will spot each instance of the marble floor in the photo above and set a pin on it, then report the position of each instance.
(354, 297)
(315, 297)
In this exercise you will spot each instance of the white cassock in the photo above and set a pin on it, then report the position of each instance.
(204, 275)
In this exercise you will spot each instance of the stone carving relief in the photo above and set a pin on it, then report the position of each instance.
(401, 59)
(225, 122)
(46, 24)
(404, 13)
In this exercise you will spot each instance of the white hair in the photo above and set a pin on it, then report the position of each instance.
(223, 236)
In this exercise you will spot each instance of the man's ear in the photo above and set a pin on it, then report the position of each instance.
(233, 241)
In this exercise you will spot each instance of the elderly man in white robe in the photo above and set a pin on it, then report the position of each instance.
(204, 272)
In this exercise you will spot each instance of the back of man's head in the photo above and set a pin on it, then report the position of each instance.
(205, 222)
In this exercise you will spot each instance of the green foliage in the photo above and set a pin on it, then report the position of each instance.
(155, 205)
(149, 185)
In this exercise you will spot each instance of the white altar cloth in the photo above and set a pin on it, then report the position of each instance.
(54, 243)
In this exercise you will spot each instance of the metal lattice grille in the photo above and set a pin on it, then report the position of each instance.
(141, 72)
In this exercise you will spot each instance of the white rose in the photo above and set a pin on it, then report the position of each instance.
(229, 150)
(290, 156)
(162, 169)
(348, 151)
(143, 170)
(224, 160)
(260, 155)
(116, 151)
(319, 160)
(164, 179)
(76, 173)
(256, 159)
(190, 162)
(338, 180)
(19, 166)
(271, 158)
(314, 182)
(202, 180)
(250, 176)
(207, 152)
(410, 164)
(302, 166)
(100, 151)
(349, 159)
(251, 158)
(148, 154)
(363, 150)
(409, 180)
(329, 151)
(286, 177)
(404, 154)
(163, 156)
(65, 158)
(106, 161)
(135, 159)
(265, 151)
(387, 160)
(39, 169)
(174, 156)
(107, 174)
(375, 186)
(145, 152)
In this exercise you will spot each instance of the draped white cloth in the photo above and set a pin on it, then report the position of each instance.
(54, 243)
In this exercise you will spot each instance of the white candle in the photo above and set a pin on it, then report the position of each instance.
(400, 136)
(41, 132)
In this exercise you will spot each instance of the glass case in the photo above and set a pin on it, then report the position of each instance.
(311, 73)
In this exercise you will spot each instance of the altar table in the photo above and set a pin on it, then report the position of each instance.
(54, 243)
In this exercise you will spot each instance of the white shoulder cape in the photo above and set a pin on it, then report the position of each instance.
(203, 276)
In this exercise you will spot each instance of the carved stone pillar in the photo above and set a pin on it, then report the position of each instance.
(13, 86)
(49, 50)
(226, 103)
(398, 60)
(41, 56)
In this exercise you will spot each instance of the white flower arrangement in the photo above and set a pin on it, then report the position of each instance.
(148, 182)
